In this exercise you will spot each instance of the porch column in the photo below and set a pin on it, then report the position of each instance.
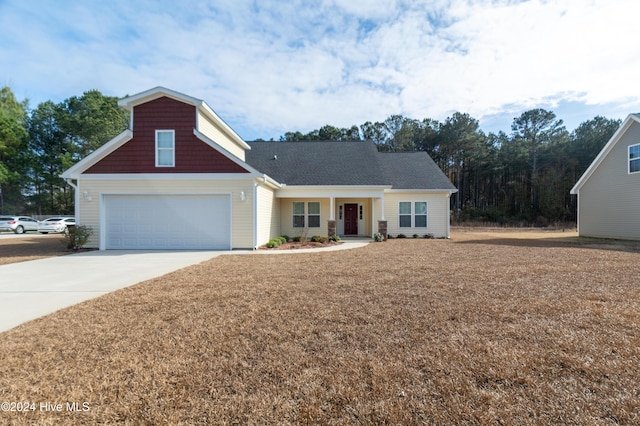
(331, 223)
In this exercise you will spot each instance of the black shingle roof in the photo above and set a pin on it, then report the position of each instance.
(344, 163)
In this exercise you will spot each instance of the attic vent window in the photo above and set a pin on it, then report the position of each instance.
(165, 148)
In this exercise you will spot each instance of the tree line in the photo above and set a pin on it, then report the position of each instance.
(37, 145)
(520, 177)
(523, 176)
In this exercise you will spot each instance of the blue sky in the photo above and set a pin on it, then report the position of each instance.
(267, 67)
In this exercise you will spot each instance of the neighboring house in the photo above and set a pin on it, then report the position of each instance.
(609, 190)
(181, 178)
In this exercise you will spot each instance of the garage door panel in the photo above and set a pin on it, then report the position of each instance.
(167, 221)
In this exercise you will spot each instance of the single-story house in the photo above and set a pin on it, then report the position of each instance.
(181, 178)
(609, 190)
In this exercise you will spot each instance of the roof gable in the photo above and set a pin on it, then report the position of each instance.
(617, 136)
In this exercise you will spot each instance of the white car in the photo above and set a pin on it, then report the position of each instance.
(56, 224)
(18, 224)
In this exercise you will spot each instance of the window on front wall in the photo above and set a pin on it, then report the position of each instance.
(165, 148)
(314, 214)
(412, 214)
(634, 159)
(308, 214)
(298, 214)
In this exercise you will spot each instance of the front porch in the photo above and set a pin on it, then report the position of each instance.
(341, 212)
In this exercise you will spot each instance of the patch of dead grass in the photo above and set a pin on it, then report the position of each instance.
(406, 332)
(26, 248)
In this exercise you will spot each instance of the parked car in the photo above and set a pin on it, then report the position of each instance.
(18, 224)
(56, 224)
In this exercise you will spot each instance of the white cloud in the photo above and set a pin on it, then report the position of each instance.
(271, 67)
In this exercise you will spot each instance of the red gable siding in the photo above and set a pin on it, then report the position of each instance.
(191, 155)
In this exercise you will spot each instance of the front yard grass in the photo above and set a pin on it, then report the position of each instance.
(480, 329)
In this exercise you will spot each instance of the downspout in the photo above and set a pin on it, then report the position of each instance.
(255, 210)
(76, 196)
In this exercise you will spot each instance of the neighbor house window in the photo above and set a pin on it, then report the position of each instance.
(314, 214)
(634, 159)
(311, 217)
(412, 214)
(165, 148)
(298, 214)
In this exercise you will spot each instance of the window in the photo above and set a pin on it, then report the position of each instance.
(412, 214)
(634, 159)
(165, 148)
(298, 214)
(405, 214)
(420, 216)
(314, 214)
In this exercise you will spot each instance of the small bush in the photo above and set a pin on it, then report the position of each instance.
(282, 240)
(77, 236)
(275, 242)
(296, 239)
(334, 238)
(429, 236)
(401, 236)
(415, 235)
(315, 239)
(286, 238)
(377, 237)
(323, 240)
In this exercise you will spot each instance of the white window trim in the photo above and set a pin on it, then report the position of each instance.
(629, 159)
(172, 149)
(413, 214)
(306, 215)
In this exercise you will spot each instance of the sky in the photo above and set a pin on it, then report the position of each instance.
(269, 67)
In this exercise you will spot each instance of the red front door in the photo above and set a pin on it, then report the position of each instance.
(350, 219)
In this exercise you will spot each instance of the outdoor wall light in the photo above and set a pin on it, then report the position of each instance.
(86, 196)
(242, 196)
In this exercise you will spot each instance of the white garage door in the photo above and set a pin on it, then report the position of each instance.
(161, 222)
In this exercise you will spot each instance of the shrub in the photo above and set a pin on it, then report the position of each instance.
(323, 240)
(282, 240)
(377, 237)
(296, 239)
(428, 236)
(415, 235)
(275, 242)
(286, 238)
(334, 238)
(315, 239)
(77, 236)
(401, 236)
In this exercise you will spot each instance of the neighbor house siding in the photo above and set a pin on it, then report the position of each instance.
(268, 213)
(609, 200)
(213, 132)
(242, 220)
(437, 213)
(286, 218)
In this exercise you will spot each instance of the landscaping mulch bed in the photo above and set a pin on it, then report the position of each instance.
(485, 328)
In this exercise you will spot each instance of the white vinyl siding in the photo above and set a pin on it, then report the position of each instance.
(412, 214)
(216, 134)
(268, 215)
(165, 148)
(437, 208)
(89, 211)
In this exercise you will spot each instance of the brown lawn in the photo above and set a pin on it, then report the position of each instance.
(486, 328)
(27, 247)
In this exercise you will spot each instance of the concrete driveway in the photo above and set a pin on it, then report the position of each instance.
(29, 290)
